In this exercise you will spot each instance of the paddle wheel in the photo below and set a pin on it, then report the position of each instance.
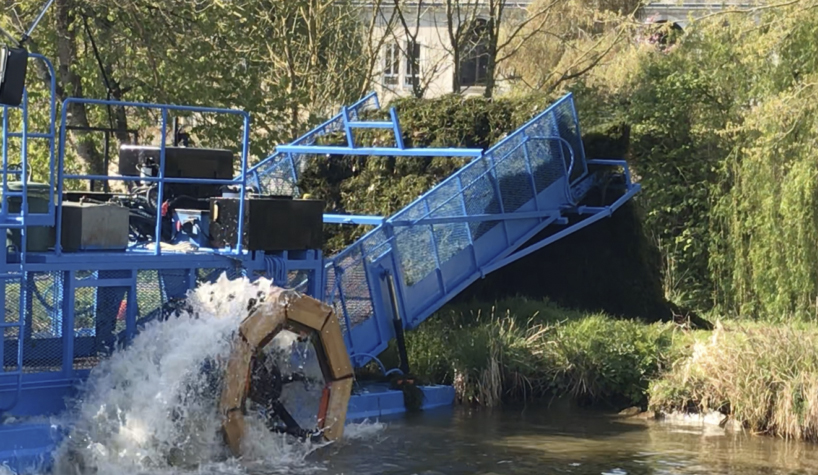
(252, 373)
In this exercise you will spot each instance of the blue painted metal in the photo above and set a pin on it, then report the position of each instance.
(380, 151)
(470, 224)
(353, 219)
(377, 401)
(73, 307)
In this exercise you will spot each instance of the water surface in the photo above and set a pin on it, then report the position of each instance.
(559, 440)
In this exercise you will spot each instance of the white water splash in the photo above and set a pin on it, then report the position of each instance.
(363, 430)
(152, 408)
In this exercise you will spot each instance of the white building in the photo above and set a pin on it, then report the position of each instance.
(681, 13)
(420, 33)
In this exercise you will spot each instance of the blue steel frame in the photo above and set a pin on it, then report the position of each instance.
(39, 370)
(470, 224)
(397, 246)
(161, 179)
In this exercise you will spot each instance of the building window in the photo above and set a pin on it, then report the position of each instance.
(391, 63)
(412, 76)
(475, 58)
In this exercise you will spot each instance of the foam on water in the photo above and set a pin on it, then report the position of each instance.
(152, 407)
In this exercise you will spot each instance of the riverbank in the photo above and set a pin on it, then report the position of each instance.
(763, 377)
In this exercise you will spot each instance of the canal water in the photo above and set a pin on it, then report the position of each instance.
(151, 409)
(558, 440)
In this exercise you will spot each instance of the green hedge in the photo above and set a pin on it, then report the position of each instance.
(609, 266)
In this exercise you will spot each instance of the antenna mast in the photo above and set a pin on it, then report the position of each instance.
(27, 34)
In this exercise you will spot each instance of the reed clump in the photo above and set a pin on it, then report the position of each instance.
(522, 350)
(764, 376)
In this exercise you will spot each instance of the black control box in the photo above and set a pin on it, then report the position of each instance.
(13, 67)
(270, 223)
(180, 162)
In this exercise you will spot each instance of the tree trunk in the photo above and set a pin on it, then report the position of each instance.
(454, 38)
(496, 17)
(491, 67)
(292, 87)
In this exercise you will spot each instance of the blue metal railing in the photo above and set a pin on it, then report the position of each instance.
(466, 226)
(460, 229)
(20, 220)
(287, 165)
(161, 179)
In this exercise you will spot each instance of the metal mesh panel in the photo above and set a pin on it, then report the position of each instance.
(568, 124)
(503, 180)
(208, 275)
(376, 245)
(12, 307)
(355, 288)
(514, 180)
(42, 320)
(278, 173)
(446, 202)
(415, 246)
(149, 298)
(508, 145)
(546, 162)
(10, 334)
(276, 176)
(95, 333)
(332, 296)
(298, 280)
(330, 282)
(42, 351)
(480, 195)
(174, 283)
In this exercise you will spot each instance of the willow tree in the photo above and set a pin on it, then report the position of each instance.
(567, 40)
(766, 264)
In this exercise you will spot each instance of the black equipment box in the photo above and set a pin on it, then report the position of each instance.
(180, 162)
(97, 196)
(87, 226)
(270, 224)
(13, 67)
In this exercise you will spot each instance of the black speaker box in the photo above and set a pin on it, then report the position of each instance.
(181, 162)
(270, 224)
(13, 67)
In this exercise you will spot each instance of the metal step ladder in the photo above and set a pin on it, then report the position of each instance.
(9, 271)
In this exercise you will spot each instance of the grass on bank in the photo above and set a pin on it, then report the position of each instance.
(527, 350)
(763, 375)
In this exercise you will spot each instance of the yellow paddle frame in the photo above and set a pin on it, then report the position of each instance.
(287, 310)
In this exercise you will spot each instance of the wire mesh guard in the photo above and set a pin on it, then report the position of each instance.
(42, 323)
(278, 174)
(99, 314)
(544, 155)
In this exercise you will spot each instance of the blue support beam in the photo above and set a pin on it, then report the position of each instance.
(378, 151)
(353, 219)
(602, 212)
(370, 125)
(476, 218)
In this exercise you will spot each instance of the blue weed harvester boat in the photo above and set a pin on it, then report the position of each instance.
(83, 269)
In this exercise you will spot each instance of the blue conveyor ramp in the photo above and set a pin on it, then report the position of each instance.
(68, 309)
(481, 218)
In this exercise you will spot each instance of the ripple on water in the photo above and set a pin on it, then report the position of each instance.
(150, 409)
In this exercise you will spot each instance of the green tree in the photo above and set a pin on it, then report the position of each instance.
(288, 63)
